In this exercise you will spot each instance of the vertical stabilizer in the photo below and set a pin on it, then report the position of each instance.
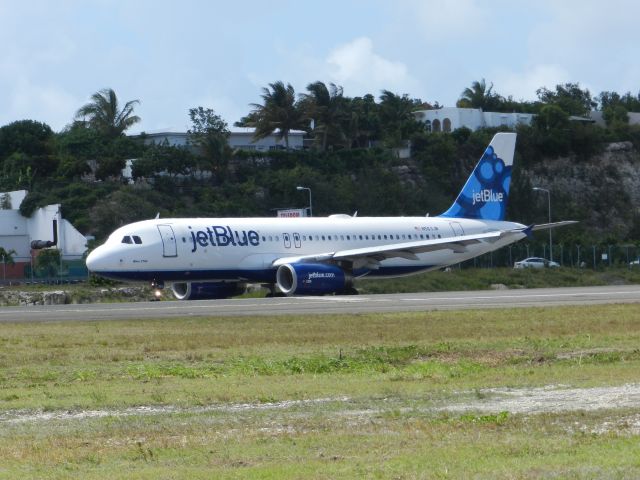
(484, 195)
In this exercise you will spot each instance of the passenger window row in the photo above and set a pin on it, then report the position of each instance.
(318, 238)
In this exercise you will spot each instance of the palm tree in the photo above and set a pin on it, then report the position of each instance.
(105, 116)
(363, 125)
(479, 96)
(396, 114)
(280, 112)
(326, 107)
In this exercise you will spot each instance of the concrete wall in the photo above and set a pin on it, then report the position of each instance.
(241, 138)
(451, 118)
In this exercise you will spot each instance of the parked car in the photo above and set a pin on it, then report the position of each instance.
(634, 263)
(535, 262)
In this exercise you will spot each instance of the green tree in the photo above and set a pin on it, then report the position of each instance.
(280, 112)
(29, 137)
(551, 117)
(6, 256)
(48, 262)
(479, 96)
(569, 97)
(326, 107)
(210, 134)
(552, 131)
(105, 115)
(120, 208)
(363, 121)
(26, 153)
(615, 115)
(164, 158)
(396, 117)
(17, 172)
(630, 102)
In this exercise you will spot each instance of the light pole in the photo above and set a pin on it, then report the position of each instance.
(310, 204)
(538, 189)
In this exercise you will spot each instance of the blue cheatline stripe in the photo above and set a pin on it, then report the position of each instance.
(258, 276)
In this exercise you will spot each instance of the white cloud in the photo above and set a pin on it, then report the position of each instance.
(353, 65)
(357, 63)
(358, 68)
(523, 85)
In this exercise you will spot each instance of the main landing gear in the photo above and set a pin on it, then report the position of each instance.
(273, 291)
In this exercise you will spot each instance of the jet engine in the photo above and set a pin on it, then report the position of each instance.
(312, 279)
(206, 290)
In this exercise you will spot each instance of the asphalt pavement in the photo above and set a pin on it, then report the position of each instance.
(401, 302)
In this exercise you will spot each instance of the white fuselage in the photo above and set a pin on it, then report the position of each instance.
(244, 249)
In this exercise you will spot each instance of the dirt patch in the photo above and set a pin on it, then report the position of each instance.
(528, 401)
(550, 399)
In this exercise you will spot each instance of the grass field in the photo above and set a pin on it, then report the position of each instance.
(360, 396)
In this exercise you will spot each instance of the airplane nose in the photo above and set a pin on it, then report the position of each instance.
(95, 260)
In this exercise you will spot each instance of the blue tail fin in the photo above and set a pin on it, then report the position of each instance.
(485, 194)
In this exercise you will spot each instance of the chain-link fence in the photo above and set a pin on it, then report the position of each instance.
(70, 269)
(582, 256)
(74, 269)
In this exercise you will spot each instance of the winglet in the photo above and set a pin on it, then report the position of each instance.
(528, 231)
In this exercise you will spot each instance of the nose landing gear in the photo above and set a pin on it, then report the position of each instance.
(157, 287)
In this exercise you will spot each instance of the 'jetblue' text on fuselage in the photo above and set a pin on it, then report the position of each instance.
(219, 236)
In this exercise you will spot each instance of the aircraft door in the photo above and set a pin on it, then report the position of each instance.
(169, 245)
(287, 240)
(457, 229)
(296, 240)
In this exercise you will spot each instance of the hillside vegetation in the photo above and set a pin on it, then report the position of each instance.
(352, 165)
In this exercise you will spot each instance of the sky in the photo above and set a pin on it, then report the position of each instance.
(175, 55)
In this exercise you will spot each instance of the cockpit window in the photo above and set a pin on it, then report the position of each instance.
(129, 239)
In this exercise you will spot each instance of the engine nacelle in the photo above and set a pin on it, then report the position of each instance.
(206, 290)
(311, 279)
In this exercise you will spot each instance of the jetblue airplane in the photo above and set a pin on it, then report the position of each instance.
(216, 257)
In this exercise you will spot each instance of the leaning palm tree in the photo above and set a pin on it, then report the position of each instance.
(279, 113)
(104, 115)
(326, 106)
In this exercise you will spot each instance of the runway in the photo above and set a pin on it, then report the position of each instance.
(343, 305)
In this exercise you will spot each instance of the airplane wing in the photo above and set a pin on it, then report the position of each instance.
(407, 250)
(546, 226)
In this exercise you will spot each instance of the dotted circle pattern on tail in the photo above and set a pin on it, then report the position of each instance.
(485, 193)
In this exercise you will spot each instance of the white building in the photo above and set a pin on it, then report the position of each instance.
(450, 118)
(241, 138)
(17, 232)
(598, 119)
